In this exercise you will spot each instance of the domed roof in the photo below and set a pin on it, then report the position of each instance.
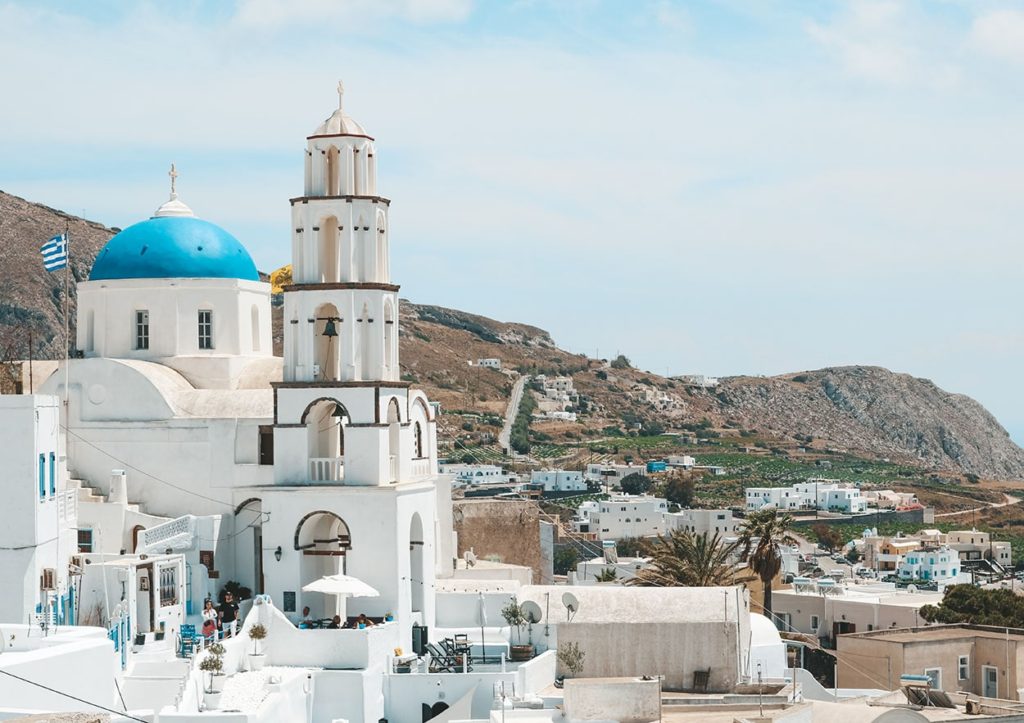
(340, 123)
(174, 244)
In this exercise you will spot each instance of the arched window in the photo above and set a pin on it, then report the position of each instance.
(389, 339)
(394, 431)
(327, 256)
(255, 314)
(333, 172)
(328, 343)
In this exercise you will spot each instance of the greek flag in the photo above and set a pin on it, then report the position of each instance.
(55, 253)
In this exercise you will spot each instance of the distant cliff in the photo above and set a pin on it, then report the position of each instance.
(864, 410)
(875, 410)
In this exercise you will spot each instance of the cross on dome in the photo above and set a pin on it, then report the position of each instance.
(340, 123)
(173, 207)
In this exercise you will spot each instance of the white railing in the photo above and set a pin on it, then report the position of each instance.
(176, 534)
(393, 468)
(327, 469)
(420, 467)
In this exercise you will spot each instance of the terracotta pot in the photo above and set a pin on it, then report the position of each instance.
(519, 653)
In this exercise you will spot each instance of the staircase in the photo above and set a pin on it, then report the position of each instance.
(92, 495)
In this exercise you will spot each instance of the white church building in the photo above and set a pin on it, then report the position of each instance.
(177, 453)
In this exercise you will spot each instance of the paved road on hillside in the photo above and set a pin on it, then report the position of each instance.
(505, 438)
(1010, 500)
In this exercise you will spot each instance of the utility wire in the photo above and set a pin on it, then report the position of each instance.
(72, 697)
(150, 475)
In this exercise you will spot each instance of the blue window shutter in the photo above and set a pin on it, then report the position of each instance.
(42, 476)
(53, 474)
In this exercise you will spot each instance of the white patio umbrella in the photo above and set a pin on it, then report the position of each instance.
(342, 586)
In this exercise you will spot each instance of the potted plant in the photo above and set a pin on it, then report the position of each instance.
(514, 616)
(212, 665)
(257, 659)
(159, 634)
(388, 617)
(217, 676)
(571, 658)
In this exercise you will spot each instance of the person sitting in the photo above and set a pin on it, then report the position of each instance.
(306, 621)
(363, 622)
(335, 623)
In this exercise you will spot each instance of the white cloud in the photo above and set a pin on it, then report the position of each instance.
(887, 43)
(1000, 33)
(356, 15)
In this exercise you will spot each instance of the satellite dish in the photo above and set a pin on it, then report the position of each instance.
(572, 605)
(531, 611)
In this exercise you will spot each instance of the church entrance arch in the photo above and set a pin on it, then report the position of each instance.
(323, 538)
(325, 421)
(249, 543)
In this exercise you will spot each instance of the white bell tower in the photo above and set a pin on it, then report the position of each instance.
(341, 312)
(355, 488)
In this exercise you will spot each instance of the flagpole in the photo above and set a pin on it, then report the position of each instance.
(67, 415)
(67, 334)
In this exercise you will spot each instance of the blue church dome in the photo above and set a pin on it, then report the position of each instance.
(174, 246)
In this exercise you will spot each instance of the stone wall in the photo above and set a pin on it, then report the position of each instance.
(508, 531)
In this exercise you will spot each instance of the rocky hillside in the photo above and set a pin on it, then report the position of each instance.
(33, 298)
(861, 410)
(875, 410)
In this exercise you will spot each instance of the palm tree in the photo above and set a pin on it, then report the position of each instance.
(761, 539)
(683, 559)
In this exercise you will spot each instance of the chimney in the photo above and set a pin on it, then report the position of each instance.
(118, 487)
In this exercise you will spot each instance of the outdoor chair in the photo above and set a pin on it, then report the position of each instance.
(444, 661)
(188, 641)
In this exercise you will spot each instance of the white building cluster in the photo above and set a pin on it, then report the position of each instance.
(179, 454)
(815, 493)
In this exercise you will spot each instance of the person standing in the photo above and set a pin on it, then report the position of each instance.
(210, 617)
(228, 613)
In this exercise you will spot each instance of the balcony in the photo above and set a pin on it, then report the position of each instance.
(420, 467)
(327, 469)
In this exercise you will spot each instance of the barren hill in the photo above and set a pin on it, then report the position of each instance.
(33, 298)
(861, 410)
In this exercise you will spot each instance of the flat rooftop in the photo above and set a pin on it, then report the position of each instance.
(941, 632)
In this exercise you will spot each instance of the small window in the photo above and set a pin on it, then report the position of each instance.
(205, 329)
(417, 432)
(142, 329)
(935, 674)
(815, 622)
(964, 667)
(85, 540)
(168, 586)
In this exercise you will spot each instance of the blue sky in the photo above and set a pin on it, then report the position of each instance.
(722, 187)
